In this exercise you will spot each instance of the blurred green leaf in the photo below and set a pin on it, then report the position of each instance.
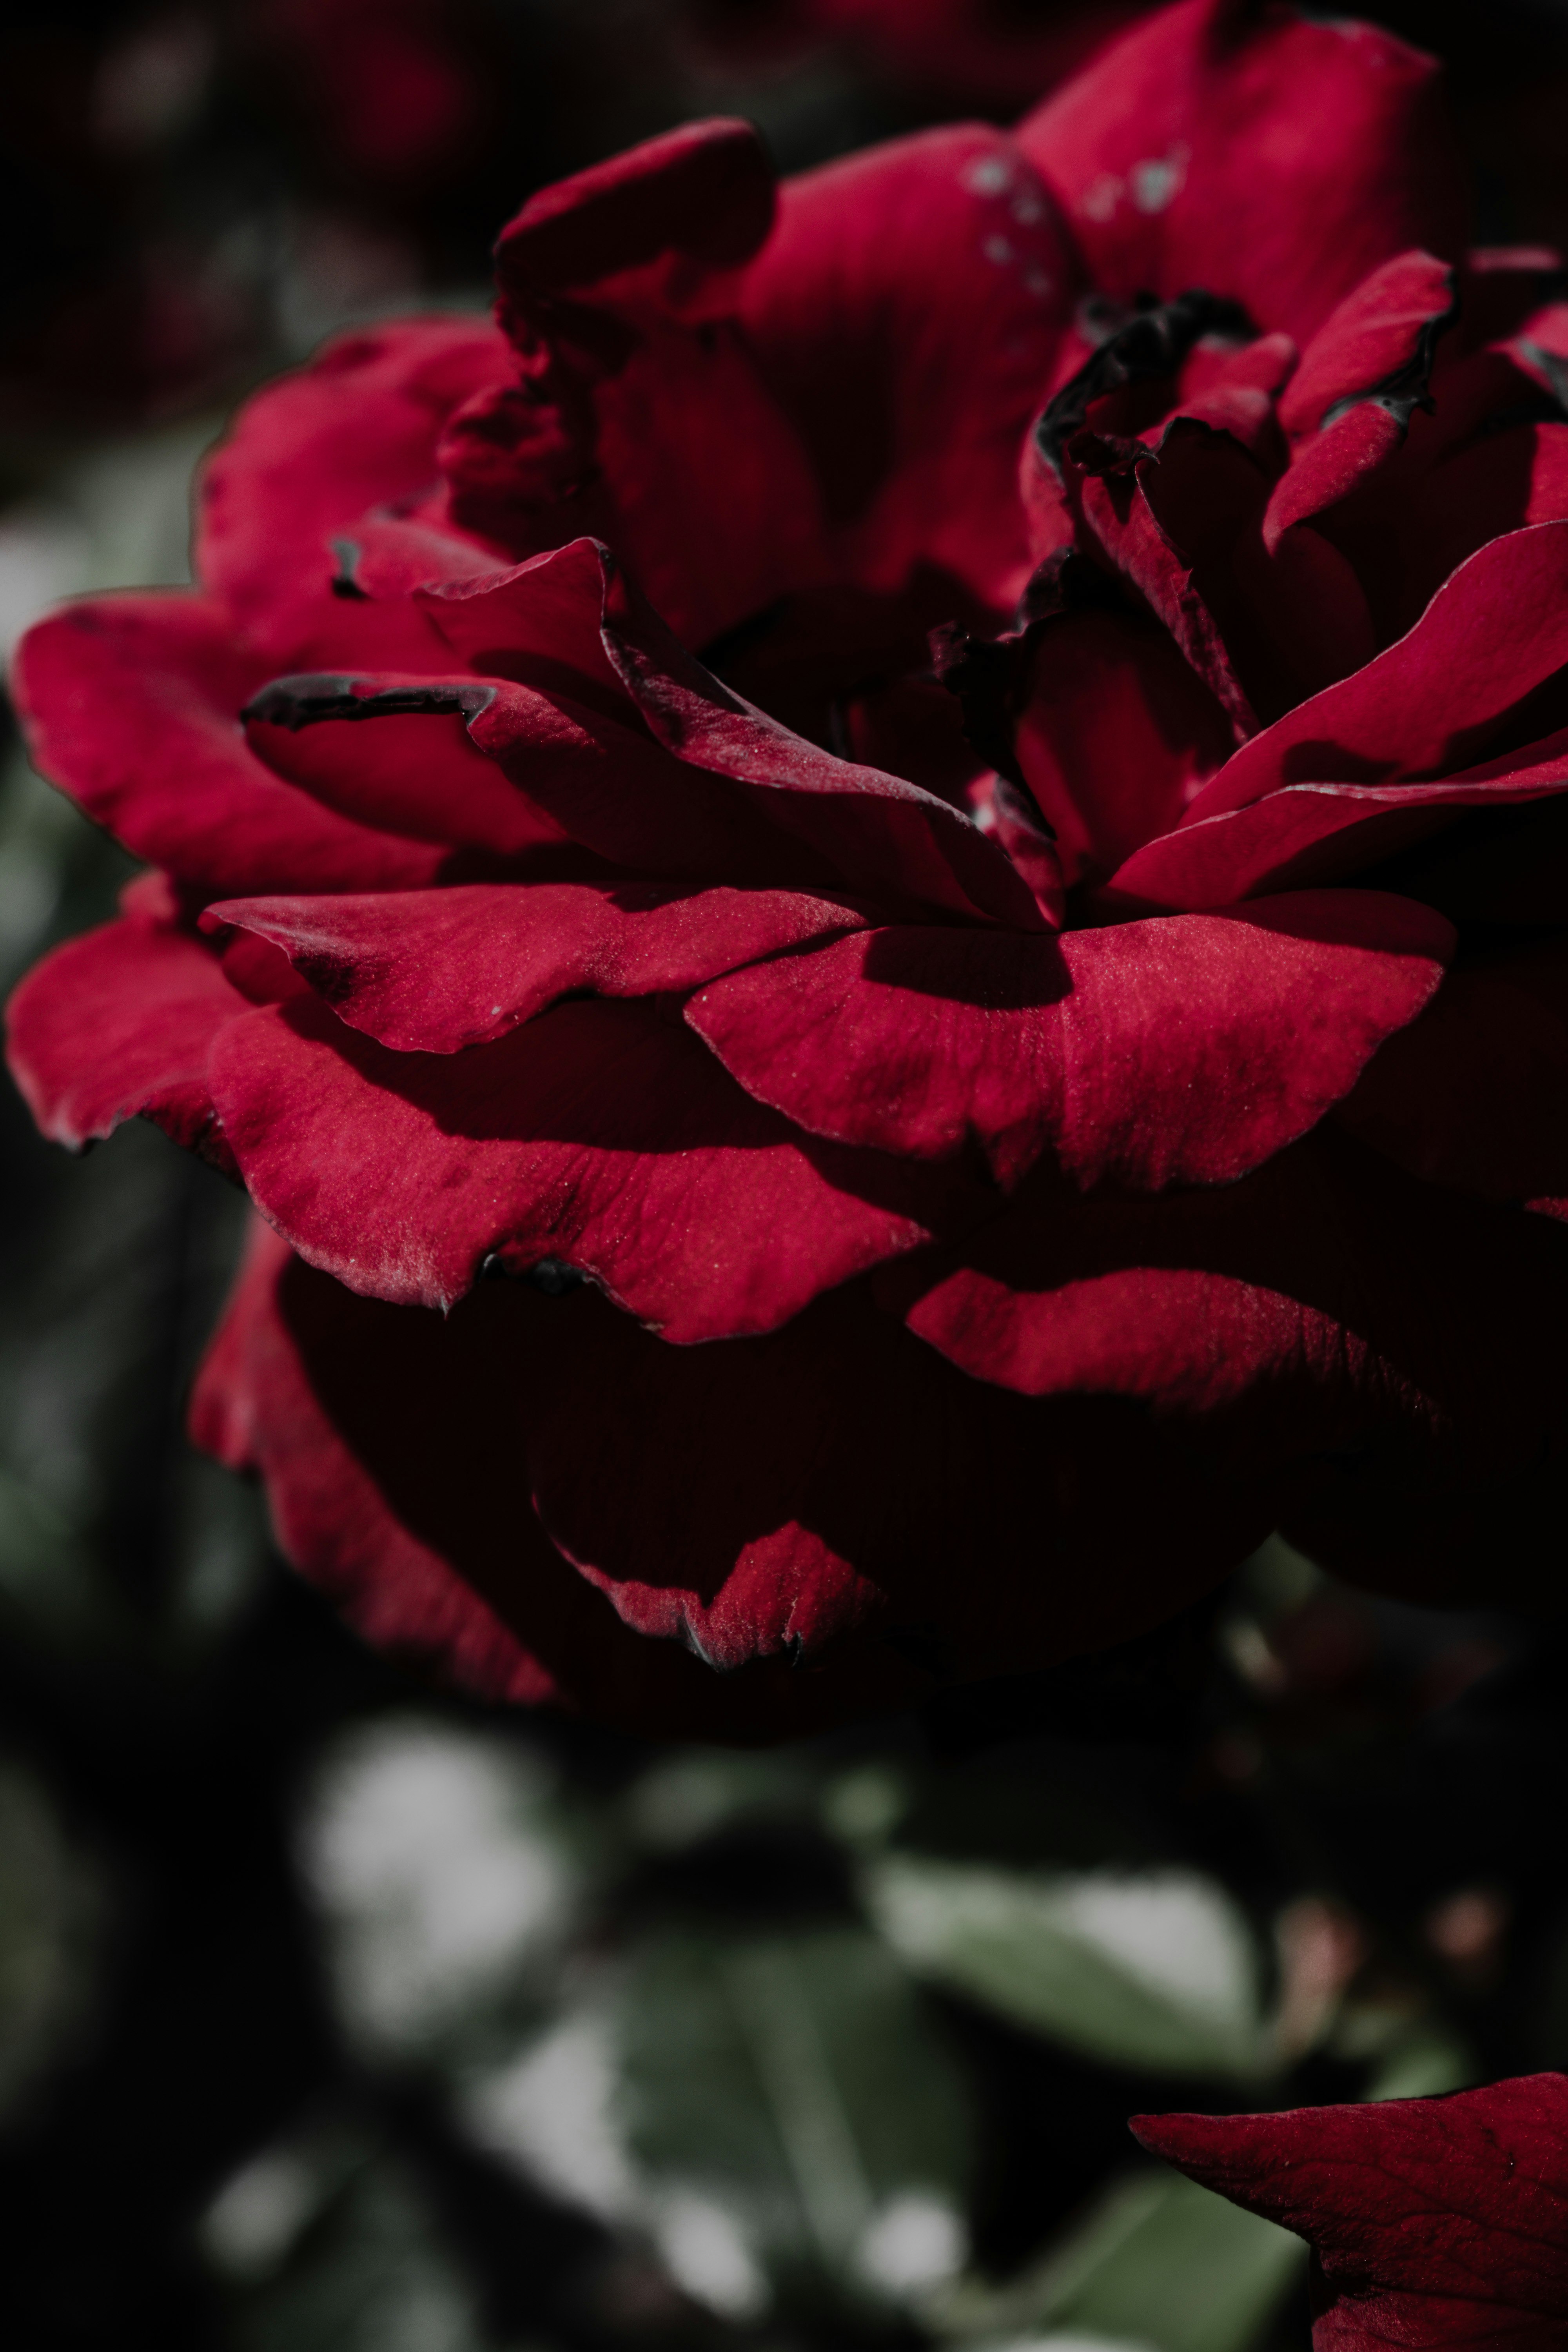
(777, 2112)
(693, 1796)
(1155, 1969)
(1157, 2262)
(1421, 2063)
(438, 1863)
(864, 1807)
(792, 2083)
(325, 2246)
(45, 1574)
(50, 1922)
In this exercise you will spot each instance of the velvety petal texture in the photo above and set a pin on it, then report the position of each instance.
(1149, 1055)
(1323, 136)
(874, 899)
(600, 1134)
(1435, 2221)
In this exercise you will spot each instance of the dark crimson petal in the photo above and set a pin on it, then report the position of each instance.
(601, 780)
(308, 455)
(681, 447)
(388, 556)
(1436, 2222)
(881, 833)
(1474, 1092)
(1386, 327)
(1236, 386)
(1331, 466)
(1348, 406)
(132, 705)
(432, 972)
(1435, 702)
(1501, 286)
(1185, 525)
(1326, 1307)
(389, 1439)
(906, 311)
(1015, 824)
(1183, 579)
(1493, 1542)
(1498, 483)
(867, 831)
(705, 190)
(1116, 735)
(1307, 834)
(1184, 1050)
(118, 1025)
(1491, 457)
(637, 411)
(540, 622)
(600, 1134)
(1109, 395)
(1325, 137)
(422, 774)
(837, 1481)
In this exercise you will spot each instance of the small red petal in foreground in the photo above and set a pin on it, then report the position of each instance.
(1436, 2222)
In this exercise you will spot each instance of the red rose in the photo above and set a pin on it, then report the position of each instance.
(1435, 2223)
(1055, 1159)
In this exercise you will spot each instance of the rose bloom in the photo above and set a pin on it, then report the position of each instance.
(961, 1158)
(1434, 2223)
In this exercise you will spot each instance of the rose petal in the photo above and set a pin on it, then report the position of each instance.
(1283, 1319)
(1308, 834)
(1435, 701)
(705, 190)
(637, 413)
(598, 1134)
(837, 1485)
(422, 775)
(1364, 374)
(390, 1442)
(118, 1025)
(879, 830)
(906, 311)
(680, 447)
(862, 829)
(1386, 327)
(1474, 1092)
(432, 972)
(1210, 114)
(132, 705)
(1172, 529)
(1181, 1050)
(1436, 2221)
(1116, 735)
(307, 456)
